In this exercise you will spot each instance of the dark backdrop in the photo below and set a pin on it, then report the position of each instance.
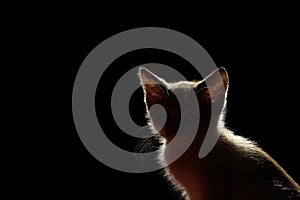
(263, 100)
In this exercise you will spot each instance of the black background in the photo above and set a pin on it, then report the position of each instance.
(263, 102)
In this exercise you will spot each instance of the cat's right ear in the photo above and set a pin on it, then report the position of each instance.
(217, 82)
(155, 88)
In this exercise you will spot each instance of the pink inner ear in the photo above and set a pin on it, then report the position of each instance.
(154, 87)
(217, 85)
(217, 79)
(155, 94)
(148, 77)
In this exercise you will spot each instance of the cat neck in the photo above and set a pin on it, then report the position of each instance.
(203, 174)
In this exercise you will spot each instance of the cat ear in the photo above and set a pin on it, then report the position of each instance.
(155, 88)
(216, 86)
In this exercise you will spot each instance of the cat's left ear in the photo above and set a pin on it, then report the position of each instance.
(155, 88)
(216, 86)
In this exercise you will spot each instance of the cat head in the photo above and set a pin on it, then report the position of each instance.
(211, 91)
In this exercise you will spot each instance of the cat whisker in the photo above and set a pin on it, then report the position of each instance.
(149, 147)
(140, 147)
(145, 146)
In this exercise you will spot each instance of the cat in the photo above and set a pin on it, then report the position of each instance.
(236, 168)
